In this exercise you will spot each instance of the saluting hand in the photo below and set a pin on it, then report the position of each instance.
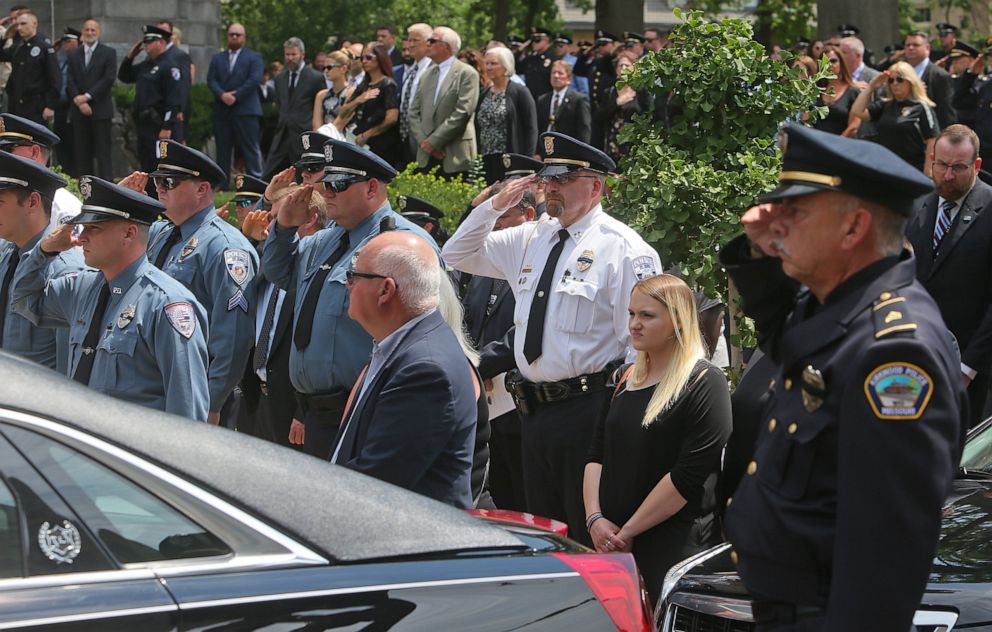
(137, 181)
(295, 210)
(281, 180)
(256, 225)
(59, 240)
(513, 193)
(757, 223)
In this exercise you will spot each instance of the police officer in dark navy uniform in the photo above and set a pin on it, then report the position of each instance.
(836, 520)
(159, 95)
(535, 66)
(35, 80)
(597, 65)
(423, 214)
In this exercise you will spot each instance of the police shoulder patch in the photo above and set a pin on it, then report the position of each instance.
(644, 267)
(238, 264)
(182, 318)
(175, 74)
(898, 391)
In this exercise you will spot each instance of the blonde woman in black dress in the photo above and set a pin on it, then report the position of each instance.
(650, 478)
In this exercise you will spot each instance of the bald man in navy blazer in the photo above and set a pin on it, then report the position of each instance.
(234, 77)
(412, 416)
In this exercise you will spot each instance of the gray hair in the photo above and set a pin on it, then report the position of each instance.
(417, 281)
(505, 58)
(295, 42)
(854, 44)
(421, 29)
(451, 311)
(451, 38)
(887, 226)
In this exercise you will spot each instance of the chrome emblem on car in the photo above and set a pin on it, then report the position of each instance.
(59, 543)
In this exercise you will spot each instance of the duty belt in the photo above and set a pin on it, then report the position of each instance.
(318, 403)
(528, 394)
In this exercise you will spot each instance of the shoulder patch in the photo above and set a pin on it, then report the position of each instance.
(898, 391)
(175, 74)
(182, 318)
(890, 315)
(644, 267)
(238, 264)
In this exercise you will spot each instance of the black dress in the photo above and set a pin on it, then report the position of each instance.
(685, 441)
(386, 145)
(838, 112)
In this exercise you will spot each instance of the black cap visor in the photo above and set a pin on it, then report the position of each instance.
(791, 190)
(93, 216)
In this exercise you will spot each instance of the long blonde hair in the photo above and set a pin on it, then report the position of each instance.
(908, 73)
(677, 298)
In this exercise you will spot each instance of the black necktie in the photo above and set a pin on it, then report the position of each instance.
(171, 241)
(85, 366)
(292, 83)
(304, 325)
(15, 258)
(265, 337)
(539, 305)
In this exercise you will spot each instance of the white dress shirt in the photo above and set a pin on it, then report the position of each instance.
(586, 326)
(442, 72)
(261, 305)
(421, 68)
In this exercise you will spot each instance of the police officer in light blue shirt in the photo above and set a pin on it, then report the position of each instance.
(26, 192)
(328, 348)
(136, 334)
(211, 258)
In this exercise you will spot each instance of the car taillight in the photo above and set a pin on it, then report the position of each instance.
(522, 518)
(614, 579)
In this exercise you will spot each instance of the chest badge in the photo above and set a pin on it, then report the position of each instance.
(814, 388)
(126, 316)
(584, 262)
(906, 111)
(189, 247)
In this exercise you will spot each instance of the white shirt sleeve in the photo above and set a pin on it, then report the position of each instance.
(475, 248)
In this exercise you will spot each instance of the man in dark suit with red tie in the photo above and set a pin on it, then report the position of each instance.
(951, 233)
(92, 71)
(234, 77)
(564, 109)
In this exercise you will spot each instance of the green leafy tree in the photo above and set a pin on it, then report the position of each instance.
(685, 186)
(775, 21)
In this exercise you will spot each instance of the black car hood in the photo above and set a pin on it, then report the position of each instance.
(962, 572)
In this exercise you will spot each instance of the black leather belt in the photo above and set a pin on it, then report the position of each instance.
(527, 394)
(318, 403)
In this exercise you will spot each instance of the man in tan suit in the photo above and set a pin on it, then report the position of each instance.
(442, 110)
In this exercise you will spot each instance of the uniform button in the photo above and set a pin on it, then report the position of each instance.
(733, 557)
(752, 467)
(771, 425)
(541, 293)
(771, 384)
(793, 427)
(788, 383)
(730, 500)
(885, 296)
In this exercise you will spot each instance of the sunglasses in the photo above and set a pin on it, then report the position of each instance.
(168, 182)
(561, 180)
(834, 60)
(333, 66)
(244, 202)
(352, 275)
(369, 57)
(892, 80)
(312, 168)
(432, 40)
(339, 186)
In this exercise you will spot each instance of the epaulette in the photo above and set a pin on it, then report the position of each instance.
(890, 314)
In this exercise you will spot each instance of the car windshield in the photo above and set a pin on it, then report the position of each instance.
(977, 455)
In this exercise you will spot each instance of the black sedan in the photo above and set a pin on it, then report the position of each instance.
(115, 517)
(704, 593)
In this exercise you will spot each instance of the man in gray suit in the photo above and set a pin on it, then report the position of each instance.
(443, 109)
(296, 87)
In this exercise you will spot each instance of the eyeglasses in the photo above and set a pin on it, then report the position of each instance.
(333, 66)
(561, 180)
(893, 80)
(339, 186)
(433, 40)
(369, 57)
(235, 34)
(352, 275)
(167, 182)
(312, 168)
(958, 169)
(834, 60)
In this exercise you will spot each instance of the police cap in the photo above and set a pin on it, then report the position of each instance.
(179, 161)
(518, 165)
(561, 38)
(803, 42)
(152, 33)
(418, 210)
(945, 28)
(514, 40)
(343, 161)
(815, 161)
(17, 172)
(249, 186)
(848, 30)
(71, 34)
(630, 38)
(313, 148)
(563, 153)
(104, 201)
(605, 37)
(540, 32)
(15, 130)
(963, 50)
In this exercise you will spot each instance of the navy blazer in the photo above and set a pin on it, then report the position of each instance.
(243, 79)
(97, 79)
(415, 425)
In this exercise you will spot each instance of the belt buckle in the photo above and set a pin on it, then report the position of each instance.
(555, 391)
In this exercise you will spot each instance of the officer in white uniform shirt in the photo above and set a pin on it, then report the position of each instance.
(571, 274)
(30, 140)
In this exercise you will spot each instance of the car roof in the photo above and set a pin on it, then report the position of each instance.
(345, 515)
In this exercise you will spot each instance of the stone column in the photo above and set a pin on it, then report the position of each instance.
(878, 20)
